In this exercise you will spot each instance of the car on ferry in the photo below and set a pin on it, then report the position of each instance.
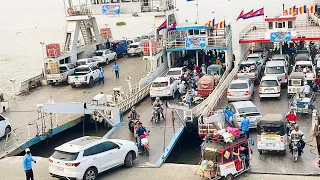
(259, 57)
(235, 111)
(5, 126)
(87, 61)
(270, 86)
(177, 71)
(84, 75)
(135, 49)
(164, 87)
(86, 157)
(249, 70)
(280, 57)
(278, 69)
(307, 68)
(61, 76)
(302, 57)
(104, 56)
(240, 90)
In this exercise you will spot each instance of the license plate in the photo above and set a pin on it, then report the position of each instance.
(59, 168)
(269, 91)
(270, 145)
(77, 83)
(251, 124)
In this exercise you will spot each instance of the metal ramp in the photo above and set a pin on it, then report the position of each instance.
(163, 135)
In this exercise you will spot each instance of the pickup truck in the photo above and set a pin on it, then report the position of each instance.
(104, 56)
(65, 70)
(249, 70)
(87, 61)
(85, 74)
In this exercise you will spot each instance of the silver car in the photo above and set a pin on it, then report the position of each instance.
(235, 112)
(240, 90)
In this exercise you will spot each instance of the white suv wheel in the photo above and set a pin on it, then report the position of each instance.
(90, 174)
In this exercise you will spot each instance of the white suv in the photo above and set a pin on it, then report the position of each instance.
(5, 126)
(86, 157)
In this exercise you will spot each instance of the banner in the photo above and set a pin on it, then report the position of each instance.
(280, 36)
(196, 43)
(111, 9)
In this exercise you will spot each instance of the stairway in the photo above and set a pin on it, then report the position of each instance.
(84, 33)
(105, 117)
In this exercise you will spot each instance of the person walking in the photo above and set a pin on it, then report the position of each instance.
(116, 69)
(101, 76)
(244, 125)
(27, 164)
(181, 88)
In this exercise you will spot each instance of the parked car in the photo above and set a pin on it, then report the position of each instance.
(85, 74)
(164, 87)
(307, 68)
(302, 57)
(86, 157)
(262, 51)
(270, 86)
(104, 56)
(249, 70)
(235, 111)
(5, 126)
(278, 69)
(177, 71)
(87, 61)
(259, 57)
(240, 90)
(65, 70)
(135, 49)
(281, 57)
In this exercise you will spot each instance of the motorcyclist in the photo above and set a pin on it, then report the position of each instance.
(139, 132)
(297, 133)
(291, 118)
(133, 114)
(306, 89)
(158, 103)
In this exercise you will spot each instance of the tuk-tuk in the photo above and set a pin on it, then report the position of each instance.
(215, 67)
(295, 83)
(272, 135)
(206, 85)
(225, 160)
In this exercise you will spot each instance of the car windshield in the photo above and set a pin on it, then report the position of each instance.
(248, 110)
(79, 63)
(82, 70)
(238, 86)
(97, 53)
(303, 68)
(269, 83)
(275, 70)
(174, 72)
(160, 84)
(133, 46)
(65, 156)
(253, 59)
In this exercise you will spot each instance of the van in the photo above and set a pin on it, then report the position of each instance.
(278, 69)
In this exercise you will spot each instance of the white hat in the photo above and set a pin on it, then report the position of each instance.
(27, 150)
(305, 83)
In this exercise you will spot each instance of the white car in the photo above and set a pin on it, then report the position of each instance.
(86, 157)
(307, 68)
(135, 49)
(270, 86)
(87, 61)
(5, 126)
(164, 87)
(240, 90)
(104, 56)
(176, 72)
(235, 111)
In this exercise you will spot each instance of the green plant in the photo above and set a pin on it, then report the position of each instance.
(120, 23)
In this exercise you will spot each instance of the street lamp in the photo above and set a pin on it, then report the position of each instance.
(43, 66)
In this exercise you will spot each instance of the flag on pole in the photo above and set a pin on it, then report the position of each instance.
(172, 27)
(162, 26)
(222, 24)
(259, 12)
(285, 12)
(303, 9)
(312, 9)
(316, 8)
(240, 15)
(295, 11)
(248, 15)
(216, 26)
(291, 10)
(212, 23)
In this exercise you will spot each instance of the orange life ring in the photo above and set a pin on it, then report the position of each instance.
(70, 11)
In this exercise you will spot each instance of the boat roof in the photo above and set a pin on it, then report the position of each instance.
(298, 75)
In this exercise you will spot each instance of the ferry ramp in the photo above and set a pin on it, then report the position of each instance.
(27, 125)
(276, 163)
(163, 135)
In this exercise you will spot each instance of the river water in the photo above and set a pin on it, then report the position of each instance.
(26, 23)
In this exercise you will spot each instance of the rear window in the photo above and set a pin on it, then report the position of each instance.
(82, 70)
(270, 130)
(275, 70)
(133, 46)
(238, 86)
(63, 69)
(269, 83)
(176, 72)
(296, 82)
(79, 63)
(160, 84)
(248, 110)
(97, 54)
(65, 156)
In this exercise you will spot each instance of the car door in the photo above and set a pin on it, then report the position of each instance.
(116, 154)
(173, 84)
(2, 125)
(95, 72)
(97, 156)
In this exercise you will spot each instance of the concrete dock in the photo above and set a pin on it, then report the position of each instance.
(11, 168)
(23, 109)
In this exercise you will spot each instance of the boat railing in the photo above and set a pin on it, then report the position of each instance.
(79, 10)
(30, 84)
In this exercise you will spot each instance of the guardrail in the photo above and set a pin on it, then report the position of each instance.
(30, 84)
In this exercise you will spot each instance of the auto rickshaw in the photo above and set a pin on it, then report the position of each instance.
(295, 83)
(225, 160)
(206, 85)
(301, 103)
(272, 135)
(218, 68)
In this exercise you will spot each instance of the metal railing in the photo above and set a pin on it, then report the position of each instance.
(176, 43)
(30, 84)
(79, 10)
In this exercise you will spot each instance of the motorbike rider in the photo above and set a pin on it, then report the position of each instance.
(291, 118)
(306, 89)
(139, 132)
(158, 103)
(133, 114)
(299, 133)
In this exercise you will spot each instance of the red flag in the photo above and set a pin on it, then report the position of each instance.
(240, 15)
(248, 15)
(259, 12)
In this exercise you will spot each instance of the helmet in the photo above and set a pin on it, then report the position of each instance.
(27, 150)
(296, 126)
(157, 99)
(133, 108)
(305, 83)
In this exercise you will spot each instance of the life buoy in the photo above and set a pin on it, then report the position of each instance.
(70, 11)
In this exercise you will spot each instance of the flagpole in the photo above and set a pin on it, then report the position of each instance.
(197, 11)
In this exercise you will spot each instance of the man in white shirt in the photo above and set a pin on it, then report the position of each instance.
(299, 133)
(306, 89)
(181, 88)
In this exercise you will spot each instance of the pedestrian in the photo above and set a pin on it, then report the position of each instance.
(244, 125)
(116, 69)
(27, 164)
(101, 76)
(181, 88)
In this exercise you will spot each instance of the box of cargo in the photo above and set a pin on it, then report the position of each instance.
(53, 50)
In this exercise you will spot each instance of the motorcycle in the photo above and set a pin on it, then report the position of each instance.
(145, 143)
(290, 125)
(296, 145)
(156, 114)
(195, 100)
